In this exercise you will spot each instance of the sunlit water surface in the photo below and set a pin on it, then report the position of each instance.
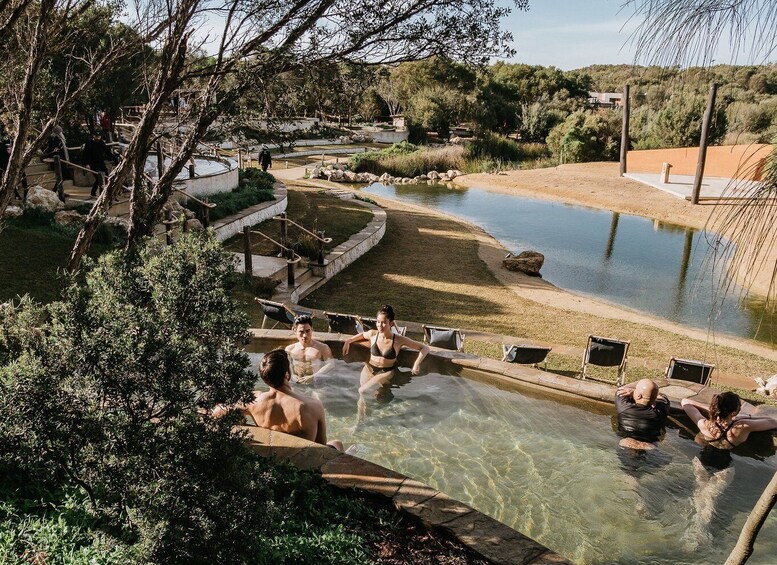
(549, 470)
(639, 263)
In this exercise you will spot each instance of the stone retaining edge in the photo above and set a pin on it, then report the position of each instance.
(356, 246)
(234, 224)
(484, 535)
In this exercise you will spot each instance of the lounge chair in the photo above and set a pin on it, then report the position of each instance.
(344, 323)
(689, 370)
(371, 324)
(526, 354)
(279, 312)
(606, 352)
(445, 338)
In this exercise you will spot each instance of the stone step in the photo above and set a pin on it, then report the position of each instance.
(34, 169)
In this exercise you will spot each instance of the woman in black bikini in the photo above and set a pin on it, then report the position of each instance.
(722, 426)
(384, 349)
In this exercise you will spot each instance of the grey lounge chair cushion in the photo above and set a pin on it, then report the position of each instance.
(444, 338)
(526, 354)
(692, 371)
(344, 324)
(606, 352)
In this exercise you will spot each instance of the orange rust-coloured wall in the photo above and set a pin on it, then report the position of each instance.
(722, 161)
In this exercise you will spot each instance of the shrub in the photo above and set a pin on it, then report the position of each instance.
(492, 146)
(103, 388)
(254, 186)
(365, 162)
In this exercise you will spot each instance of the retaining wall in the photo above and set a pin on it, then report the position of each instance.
(356, 246)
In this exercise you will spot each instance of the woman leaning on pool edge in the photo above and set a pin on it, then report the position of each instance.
(722, 420)
(385, 345)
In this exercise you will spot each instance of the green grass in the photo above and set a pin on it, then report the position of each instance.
(338, 218)
(33, 257)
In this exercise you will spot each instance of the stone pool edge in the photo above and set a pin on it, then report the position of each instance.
(482, 534)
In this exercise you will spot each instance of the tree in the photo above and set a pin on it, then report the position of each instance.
(260, 39)
(35, 33)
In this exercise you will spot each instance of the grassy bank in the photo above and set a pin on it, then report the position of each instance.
(34, 253)
(428, 268)
(487, 153)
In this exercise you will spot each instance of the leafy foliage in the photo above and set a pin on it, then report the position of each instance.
(254, 186)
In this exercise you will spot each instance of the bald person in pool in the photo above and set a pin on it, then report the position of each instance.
(642, 413)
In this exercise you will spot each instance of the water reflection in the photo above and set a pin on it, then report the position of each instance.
(643, 264)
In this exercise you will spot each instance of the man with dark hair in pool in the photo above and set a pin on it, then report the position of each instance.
(642, 413)
(309, 358)
(280, 408)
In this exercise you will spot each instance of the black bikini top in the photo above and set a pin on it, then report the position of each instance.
(376, 352)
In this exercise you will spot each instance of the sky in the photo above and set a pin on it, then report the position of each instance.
(570, 34)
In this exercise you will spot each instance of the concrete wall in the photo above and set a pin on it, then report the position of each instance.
(386, 136)
(213, 184)
(722, 161)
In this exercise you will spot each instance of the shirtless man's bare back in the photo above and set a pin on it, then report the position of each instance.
(309, 358)
(282, 409)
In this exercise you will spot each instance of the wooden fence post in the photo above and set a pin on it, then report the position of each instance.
(249, 268)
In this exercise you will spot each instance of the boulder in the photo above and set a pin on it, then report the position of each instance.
(69, 218)
(371, 177)
(43, 199)
(529, 262)
(406, 180)
(194, 225)
(422, 178)
(385, 178)
(433, 175)
(120, 222)
(13, 212)
(338, 175)
(349, 176)
(451, 174)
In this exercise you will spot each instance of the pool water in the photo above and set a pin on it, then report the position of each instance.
(550, 470)
(202, 167)
(636, 262)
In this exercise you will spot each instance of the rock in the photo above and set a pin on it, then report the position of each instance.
(338, 175)
(459, 173)
(451, 174)
(385, 178)
(422, 178)
(406, 180)
(444, 177)
(349, 176)
(194, 225)
(433, 175)
(417, 179)
(122, 223)
(529, 262)
(13, 212)
(371, 177)
(69, 218)
(43, 199)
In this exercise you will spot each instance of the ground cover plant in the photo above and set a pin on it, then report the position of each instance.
(106, 450)
(254, 187)
(34, 252)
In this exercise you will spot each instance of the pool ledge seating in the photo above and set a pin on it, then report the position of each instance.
(484, 535)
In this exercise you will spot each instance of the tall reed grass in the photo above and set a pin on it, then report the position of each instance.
(489, 153)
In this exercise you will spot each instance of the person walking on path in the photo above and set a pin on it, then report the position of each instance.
(93, 158)
(265, 159)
